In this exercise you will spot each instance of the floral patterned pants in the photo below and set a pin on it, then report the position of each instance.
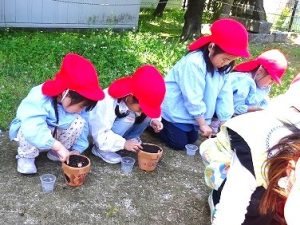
(66, 136)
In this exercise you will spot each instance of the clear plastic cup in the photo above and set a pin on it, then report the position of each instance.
(191, 149)
(47, 182)
(127, 164)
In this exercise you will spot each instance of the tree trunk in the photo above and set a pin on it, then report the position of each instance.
(160, 8)
(226, 7)
(259, 11)
(192, 19)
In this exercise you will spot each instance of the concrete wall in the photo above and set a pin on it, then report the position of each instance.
(153, 3)
(69, 13)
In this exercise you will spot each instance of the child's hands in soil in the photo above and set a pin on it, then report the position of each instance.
(62, 152)
(156, 125)
(132, 146)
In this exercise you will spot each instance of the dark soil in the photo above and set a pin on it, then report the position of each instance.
(150, 148)
(77, 161)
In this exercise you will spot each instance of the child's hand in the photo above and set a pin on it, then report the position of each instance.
(156, 125)
(132, 146)
(206, 130)
(254, 108)
(64, 155)
(74, 152)
(62, 152)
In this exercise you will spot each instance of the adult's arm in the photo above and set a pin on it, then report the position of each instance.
(235, 196)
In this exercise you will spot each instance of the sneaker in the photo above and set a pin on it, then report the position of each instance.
(109, 157)
(26, 165)
(211, 207)
(52, 155)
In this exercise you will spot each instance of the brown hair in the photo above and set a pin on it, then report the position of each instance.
(77, 98)
(275, 168)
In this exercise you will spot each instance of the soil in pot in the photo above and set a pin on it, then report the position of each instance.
(77, 161)
(77, 169)
(150, 148)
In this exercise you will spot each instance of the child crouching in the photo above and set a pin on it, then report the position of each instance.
(53, 115)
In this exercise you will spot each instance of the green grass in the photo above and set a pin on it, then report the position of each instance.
(28, 58)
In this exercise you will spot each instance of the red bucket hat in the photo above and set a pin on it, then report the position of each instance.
(146, 84)
(230, 35)
(77, 74)
(273, 61)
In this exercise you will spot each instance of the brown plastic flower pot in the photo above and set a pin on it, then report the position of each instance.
(149, 156)
(77, 169)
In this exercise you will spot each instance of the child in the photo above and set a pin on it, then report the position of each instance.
(131, 103)
(242, 146)
(252, 81)
(197, 85)
(53, 116)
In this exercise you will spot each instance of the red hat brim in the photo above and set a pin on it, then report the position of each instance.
(53, 87)
(150, 111)
(200, 42)
(120, 87)
(56, 87)
(236, 52)
(252, 64)
(123, 87)
(246, 66)
(77, 74)
(94, 95)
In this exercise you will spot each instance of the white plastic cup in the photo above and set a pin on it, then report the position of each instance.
(127, 164)
(191, 149)
(47, 182)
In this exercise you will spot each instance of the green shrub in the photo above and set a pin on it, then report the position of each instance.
(282, 22)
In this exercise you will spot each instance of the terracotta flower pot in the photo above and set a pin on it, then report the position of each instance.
(149, 156)
(77, 169)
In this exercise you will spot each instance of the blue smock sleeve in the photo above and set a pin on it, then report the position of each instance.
(32, 113)
(224, 104)
(263, 104)
(192, 85)
(243, 88)
(263, 97)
